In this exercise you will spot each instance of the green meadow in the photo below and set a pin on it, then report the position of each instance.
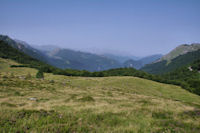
(92, 104)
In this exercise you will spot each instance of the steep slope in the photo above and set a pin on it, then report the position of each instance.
(80, 104)
(8, 52)
(25, 48)
(168, 64)
(181, 50)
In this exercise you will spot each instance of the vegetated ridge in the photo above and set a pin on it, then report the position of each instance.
(184, 57)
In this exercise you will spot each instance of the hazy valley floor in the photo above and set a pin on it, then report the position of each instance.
(79, 104)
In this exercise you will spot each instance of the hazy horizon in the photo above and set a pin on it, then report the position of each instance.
(130, 27)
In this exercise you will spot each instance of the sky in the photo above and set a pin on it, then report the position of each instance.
(129, 27)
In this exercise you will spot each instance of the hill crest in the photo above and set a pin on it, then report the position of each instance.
(181, 50)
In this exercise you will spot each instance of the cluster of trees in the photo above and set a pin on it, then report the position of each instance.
(184, 77)
(40, 75)
(187, 76)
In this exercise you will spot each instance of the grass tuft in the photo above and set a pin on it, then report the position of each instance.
(86, 99)
(8, 104)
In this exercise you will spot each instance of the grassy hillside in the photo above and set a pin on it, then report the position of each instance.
(82, 104)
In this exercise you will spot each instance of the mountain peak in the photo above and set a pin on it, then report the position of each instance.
(180, 50)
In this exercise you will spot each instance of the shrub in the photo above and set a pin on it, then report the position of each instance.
(40, 75)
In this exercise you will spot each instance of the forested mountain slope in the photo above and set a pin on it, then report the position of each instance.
(164, 66)
(189, 75)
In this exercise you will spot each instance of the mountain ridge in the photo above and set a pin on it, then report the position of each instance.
(180, 50)
(162, 67)
(67, 58)
(72, 59)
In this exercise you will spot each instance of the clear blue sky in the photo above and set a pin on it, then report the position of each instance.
(137, 27)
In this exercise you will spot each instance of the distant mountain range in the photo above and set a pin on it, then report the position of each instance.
(137, 64)
(67, 58)
(121, 58)
(180, 56)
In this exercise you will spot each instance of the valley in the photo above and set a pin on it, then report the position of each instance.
(99, 66)
(71, 59)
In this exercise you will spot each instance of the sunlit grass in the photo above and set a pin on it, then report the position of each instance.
(80, 104)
